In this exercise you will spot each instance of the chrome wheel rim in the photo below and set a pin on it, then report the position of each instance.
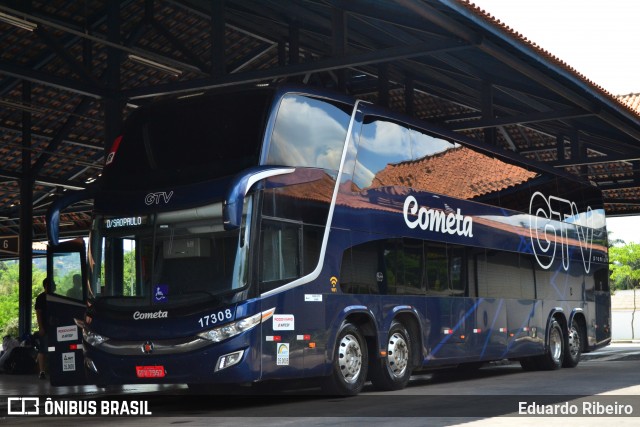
(574, 342)
(555, 344)
(350, 358)
(397, 355)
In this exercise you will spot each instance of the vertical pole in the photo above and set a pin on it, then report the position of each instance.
(339, 41)
(26, 220)
(560, 147)
(87, 54)
(218, 65)
(282, 52)
(579, 151)
(409, 96)
(294, 42)
(383, 85)
(490, 135)
(112, 102)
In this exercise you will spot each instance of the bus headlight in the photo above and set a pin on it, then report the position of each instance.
(90, 337)
(234, 328)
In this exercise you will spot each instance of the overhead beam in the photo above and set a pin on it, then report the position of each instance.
(49, 137)
(618, 184)
(599, 160)
(78, 68)
(543, 116)
(328, 64)
(48, 79)
(55, 142)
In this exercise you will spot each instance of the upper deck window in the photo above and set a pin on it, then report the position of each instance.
(190, 140)
(384, 145)
(309, 132)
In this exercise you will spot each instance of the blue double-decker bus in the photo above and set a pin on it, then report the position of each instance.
(290, 233)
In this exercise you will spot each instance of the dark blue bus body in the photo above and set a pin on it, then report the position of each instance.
(323, 237)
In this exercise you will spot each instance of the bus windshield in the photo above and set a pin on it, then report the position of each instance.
(192, 140)
(169, 258)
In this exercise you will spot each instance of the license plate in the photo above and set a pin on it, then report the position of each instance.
(150, 371)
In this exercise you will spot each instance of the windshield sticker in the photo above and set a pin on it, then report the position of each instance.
(68, 362)
(67, 333)
(282, 358)
(160, 293)
(283, 322)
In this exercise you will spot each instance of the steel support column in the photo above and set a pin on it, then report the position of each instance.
(339, 43)
(579, 151)
(294, 42)
(112, 102)
(26, 220)
(560, 147)
(409, 96)
(218, 60)
(383, 84)
(490, 135)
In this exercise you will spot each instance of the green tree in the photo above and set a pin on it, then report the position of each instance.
(9, 293)
(625, 266)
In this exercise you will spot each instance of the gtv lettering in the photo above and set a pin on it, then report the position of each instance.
(551, 222)
(435, 219)
(156, 198)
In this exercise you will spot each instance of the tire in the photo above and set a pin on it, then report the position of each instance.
(350, 363)
(529, 364)
(393, 371)
(573, 346)
(555, 348)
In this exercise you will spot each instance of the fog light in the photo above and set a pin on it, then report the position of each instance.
(229, 360)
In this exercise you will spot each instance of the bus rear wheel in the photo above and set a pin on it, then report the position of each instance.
(574, 345)
(350, 363)
(393, 371)
(554, 355)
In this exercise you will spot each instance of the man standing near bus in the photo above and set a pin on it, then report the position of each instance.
(41, 316)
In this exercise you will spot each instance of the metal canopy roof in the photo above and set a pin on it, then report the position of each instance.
(71, 71)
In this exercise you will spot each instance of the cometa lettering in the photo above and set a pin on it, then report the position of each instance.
(160, 314)
(436, 220)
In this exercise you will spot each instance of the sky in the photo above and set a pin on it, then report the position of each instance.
(599, 39)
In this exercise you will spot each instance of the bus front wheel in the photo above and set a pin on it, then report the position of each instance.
(393, 371)
(350, 362)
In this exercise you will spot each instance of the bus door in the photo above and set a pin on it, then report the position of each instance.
(603, 306)
(66, 302)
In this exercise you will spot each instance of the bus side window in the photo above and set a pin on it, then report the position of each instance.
(457, 272)
(437, 269)
(381, 143)
(280, 253)
(67, 279)
(359, 270)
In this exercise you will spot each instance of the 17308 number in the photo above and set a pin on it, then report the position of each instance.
(215, 318)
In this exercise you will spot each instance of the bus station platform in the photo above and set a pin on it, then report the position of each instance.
(31, 385)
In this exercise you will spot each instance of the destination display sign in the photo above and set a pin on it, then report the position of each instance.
(125, 222)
